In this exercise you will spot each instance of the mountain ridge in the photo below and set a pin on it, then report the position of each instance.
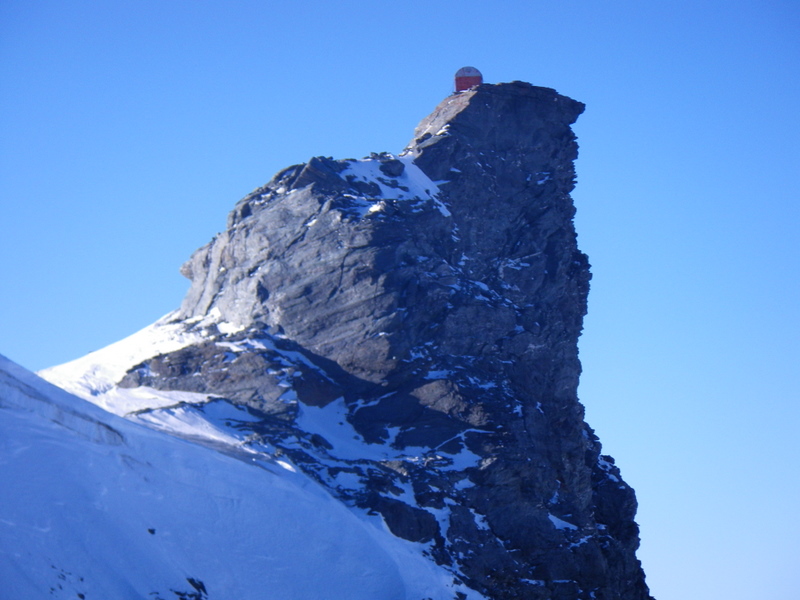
(404, 330)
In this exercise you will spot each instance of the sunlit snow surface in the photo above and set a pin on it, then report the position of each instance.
(411, 184)
(95, 506)
(95, 375)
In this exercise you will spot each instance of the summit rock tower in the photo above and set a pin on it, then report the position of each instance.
(404, 329)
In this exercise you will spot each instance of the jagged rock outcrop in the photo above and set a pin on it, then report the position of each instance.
(428, 304)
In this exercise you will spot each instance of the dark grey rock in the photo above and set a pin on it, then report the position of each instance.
(438, 296)
(392, 167)
(408, 522)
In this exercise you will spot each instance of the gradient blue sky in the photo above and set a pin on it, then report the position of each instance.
(128, 130)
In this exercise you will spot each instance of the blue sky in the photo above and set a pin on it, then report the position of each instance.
(129, 129)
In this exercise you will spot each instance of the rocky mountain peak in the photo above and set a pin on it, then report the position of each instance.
(509, 120)
(345, 238)
(404, 328)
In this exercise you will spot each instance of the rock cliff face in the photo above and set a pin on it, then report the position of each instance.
(404, 328)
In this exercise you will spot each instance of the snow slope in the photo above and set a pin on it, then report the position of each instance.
(93, 506)
(94, 376)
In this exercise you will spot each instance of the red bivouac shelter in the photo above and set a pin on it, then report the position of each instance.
(468, 77)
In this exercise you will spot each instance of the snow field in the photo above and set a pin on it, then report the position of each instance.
(95, 505)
